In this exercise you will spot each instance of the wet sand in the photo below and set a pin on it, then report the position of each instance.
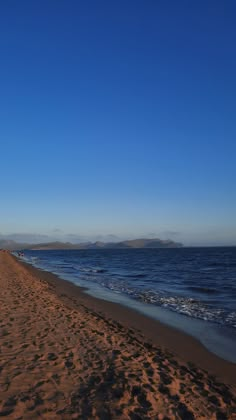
(66, 355)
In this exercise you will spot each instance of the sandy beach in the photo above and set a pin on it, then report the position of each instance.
(66, 355)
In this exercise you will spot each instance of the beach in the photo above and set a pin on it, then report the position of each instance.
(67, 355)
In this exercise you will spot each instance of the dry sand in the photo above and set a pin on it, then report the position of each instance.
(65, 355)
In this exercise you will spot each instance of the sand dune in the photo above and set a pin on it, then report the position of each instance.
(60, 359)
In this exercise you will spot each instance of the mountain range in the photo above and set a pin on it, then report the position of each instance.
(135, 243)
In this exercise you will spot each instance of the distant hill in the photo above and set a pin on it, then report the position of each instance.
(135, 243)
(12, 245)
(148, 243)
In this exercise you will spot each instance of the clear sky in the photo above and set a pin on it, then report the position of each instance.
(118, 117)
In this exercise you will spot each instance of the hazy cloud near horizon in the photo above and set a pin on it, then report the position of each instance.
(58, 235)
(26, 237)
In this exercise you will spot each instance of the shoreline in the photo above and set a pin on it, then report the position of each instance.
(67, 355)
(183, 345)
(183, 311)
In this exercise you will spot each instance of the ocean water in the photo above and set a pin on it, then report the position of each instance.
(195, 283)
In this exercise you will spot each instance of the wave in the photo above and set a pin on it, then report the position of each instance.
(184, 305)
(90, 270)
(190, 307)
(182, 288)
(136, 276)
(207, 290)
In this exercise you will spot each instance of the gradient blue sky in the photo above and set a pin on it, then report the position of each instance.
(118, 117)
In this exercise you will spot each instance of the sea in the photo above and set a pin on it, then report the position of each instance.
(191, 289)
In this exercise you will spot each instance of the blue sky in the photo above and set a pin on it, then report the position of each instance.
(118, 118)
